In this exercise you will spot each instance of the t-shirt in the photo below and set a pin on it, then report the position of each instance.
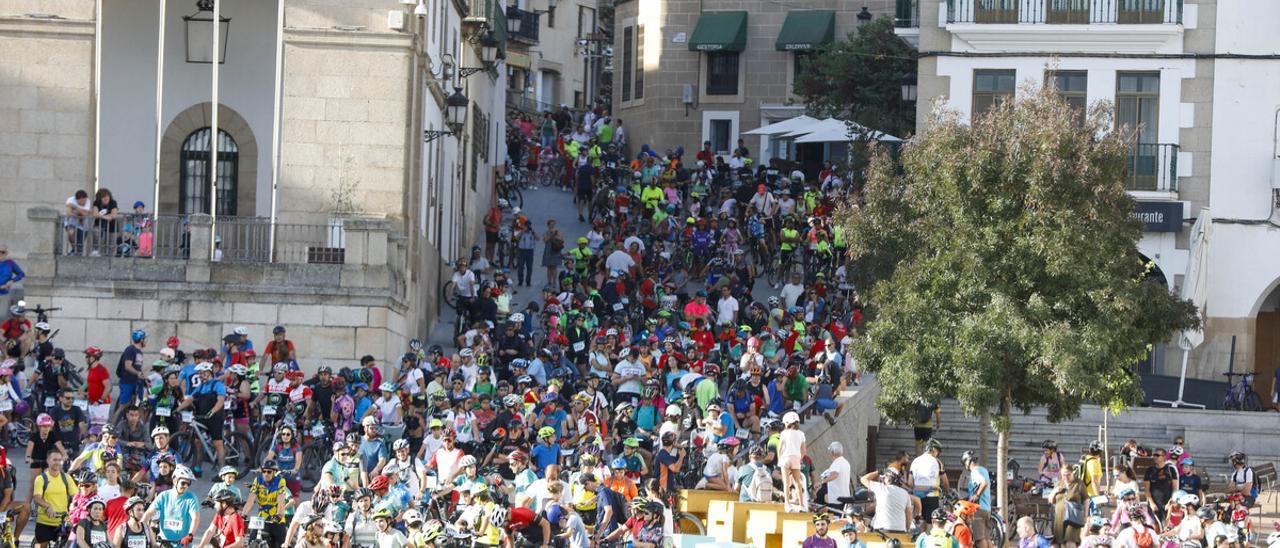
(57, 493)
(815, 541)
(840, 486)
(983, 476)
(230, 527)
(726, 309)
(627, 368)
(891, 507)
(130, 354)
(98, 377)
(544, 455)
(1161, 479)
(925, 470)
(791, 442)
(1190, 483)
(67, 424)
(619, 260)
(175, 513)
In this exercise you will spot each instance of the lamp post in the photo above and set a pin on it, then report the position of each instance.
(199, 27)
(455, 115)
(864, 17)
(909, 87)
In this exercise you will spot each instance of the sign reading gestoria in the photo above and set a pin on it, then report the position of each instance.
(1159, 216)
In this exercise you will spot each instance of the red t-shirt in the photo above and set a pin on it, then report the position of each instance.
(98, 377)
(116, 515)
(231, 528)
(13, 327)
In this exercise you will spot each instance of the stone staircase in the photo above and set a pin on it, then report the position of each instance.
(1210, 435)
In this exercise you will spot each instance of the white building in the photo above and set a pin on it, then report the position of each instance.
(1182, 71)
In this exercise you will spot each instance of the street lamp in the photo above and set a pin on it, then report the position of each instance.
(455, 115)
(199, 29)
(909, 87)
(514, 21)
(864, 17)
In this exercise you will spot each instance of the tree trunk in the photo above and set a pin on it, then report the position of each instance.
(1001, 482)
(984, 441)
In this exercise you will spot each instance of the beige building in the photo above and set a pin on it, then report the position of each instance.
(555, 55)
(333, 197)
(689, 71)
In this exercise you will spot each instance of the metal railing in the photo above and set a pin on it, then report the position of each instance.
(1152, 167)
(906, 14)
(313, 244)
(242, 239)
(526, 102)
(1063, 12)
(164, 237)
(480, 11)
(528, 24)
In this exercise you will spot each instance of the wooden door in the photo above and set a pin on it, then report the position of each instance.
(1266, 354)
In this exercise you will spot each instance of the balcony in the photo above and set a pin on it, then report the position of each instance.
(1061, 26)
(1064, 12)
(526, 102)
(906, 21)
(529, 25)
(479, 13)
(1152, 167)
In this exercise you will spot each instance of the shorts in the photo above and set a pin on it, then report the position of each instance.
(825, 404)
(791, 462)
(923, 434)
(927, 504)
(584, 196)
(213, 426)
(490, 237)
(978, 525)
(46, 533)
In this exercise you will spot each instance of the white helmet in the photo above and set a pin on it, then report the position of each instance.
(498, 516)
(239, 369)
(790, 418)
(400, 444)
(159, 430)
(1188, 498)
(388, 387)
(412, 516)
(168, 353)
(241, 330)
(369, 421)
(42, 326)
(204, 366)
(465, 352)
(673, 410)
(517, 318)
(467, 460)
(181, 472)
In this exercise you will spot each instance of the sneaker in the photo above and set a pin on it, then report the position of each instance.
(95, 253)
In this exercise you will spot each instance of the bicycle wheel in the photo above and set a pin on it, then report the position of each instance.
(688, 524)
(449, 295)
(515, 196)
(239, 452)
(1250, 402)
(774, 273)
(1229, 401)
(184, 445)
(997, 532)
(315, 456)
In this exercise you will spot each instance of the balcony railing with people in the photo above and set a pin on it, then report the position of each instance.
(235, 240)
(1153, 167)
(1063, 12)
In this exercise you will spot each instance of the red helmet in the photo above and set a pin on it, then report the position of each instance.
(379, 482)
(710, 369)
(93, 351)
(295, 375)
(520, 518)
(250, 353)
(518, 456)
(172, 342)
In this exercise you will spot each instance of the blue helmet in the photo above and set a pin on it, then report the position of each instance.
(618, 463)
(138, 335)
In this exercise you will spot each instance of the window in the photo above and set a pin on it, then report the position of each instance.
(1141, 12)
(195, 190)
(1073, 86)
(990, 87)
(586, 21)
(996, 11)
(720, 136)
(481, 129)
(722, 73)
(639, 85)
(628, 41)
(1137, 111)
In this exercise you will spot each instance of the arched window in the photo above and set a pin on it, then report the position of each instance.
(195, 190)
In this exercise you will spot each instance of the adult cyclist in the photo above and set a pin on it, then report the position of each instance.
(177, 509)
(270, 495)
(207, 400)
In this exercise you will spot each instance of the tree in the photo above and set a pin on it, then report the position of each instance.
(859, 79)
(1003, 269)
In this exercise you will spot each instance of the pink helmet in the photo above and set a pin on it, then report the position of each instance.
(44, 420)
(5, 372)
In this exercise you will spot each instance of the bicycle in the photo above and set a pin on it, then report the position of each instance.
(7, 537)
(237, 447)
(1240, 396)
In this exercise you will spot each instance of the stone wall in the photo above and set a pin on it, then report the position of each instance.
(46, 108)
(333, 313)
(859, 414)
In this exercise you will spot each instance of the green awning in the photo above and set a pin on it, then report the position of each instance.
(806, 30)
(720, 31)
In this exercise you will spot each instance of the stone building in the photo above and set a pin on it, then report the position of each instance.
(554, 54)
(331, 212)
(689, 71)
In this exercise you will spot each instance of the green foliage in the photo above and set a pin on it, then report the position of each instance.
(1003, 262)
(859, 79)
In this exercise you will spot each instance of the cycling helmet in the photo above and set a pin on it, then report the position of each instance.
(227, 496)
(415, 345)
(1135, 512)
(228, 470)
(280, 367)
(1206, 512)
(1095, 446)
(1126, 492)
(400, 444)
(85, 476)
(379, 482)
(933, 443)
(498, 516)
(138, 335)
(1237, 457)
(1177, 451)
(363, 492)
(239, 370)
(159, 430)
(42, 326)
(181, 472)
(383, 513)
(369, 421)
(518, 456)
(673, 410)
(412, 516)
(96, 500)
(1188, 498)
(618, 464)
(1049, 444)
(44, 420)
(134, 501)
(432, 530)
(270, 464)
(204, 366)
(517, 318)
(108, 429)
(388, 387)
(821, 516)
(93, 351)
(511, 400)
(546, 432)
(968, 457)
(17, 310)
(632, 441)
(466, 460)
(241, 330)
(939, 514)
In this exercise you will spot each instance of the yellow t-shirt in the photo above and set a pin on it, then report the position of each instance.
(491, 535)
(57, 493)
(1092, 471)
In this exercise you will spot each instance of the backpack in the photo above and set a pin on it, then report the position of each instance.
(761, 489)
(933, 540)
(924, 413)
(66, 488)
(1081, 472)
(1143, 539)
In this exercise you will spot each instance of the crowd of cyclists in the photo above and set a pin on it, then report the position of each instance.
(679, 343)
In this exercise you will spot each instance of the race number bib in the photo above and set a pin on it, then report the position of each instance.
(617, 307)
(163, 412)
(82, 404)
(173, 524)
(268, 410)
(577, 347)
(6, 406)
(96, 537)
(137, 542)
(317, 430)
(188, 416)
(48, 401)
(256, 523)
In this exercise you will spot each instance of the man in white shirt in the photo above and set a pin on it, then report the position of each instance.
(929, 478)
(726, 308)
(893, 504)
(792, 291)
(836, 477)
(619, 260)
(631, 240)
